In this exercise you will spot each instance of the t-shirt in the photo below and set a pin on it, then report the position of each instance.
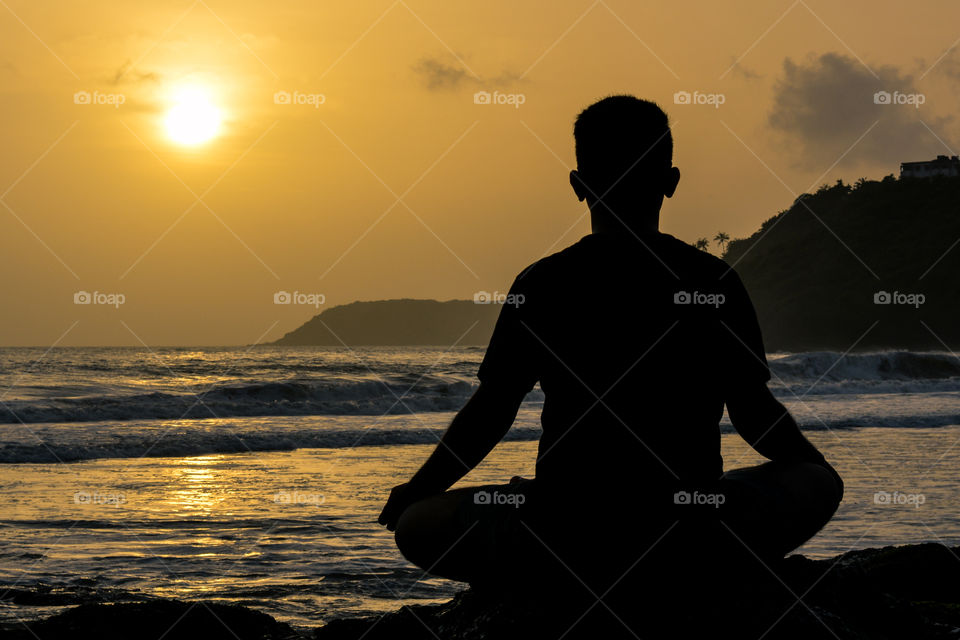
(635, 341)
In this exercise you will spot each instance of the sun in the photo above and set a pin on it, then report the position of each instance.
(193, 119)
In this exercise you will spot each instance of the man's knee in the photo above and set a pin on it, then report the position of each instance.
(428, 528)
(816, 496)
(822, 484)
(779, 506)
(411, 531)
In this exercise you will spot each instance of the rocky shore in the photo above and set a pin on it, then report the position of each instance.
(875, 594)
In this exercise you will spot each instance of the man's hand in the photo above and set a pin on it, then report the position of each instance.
(769, 428)
(401, 497)
(474, 432)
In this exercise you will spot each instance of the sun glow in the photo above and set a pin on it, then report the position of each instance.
(193, 119)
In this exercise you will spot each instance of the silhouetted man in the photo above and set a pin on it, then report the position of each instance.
(638, 340)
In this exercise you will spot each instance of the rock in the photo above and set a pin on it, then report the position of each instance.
(895, 593)
(876, 594)
(167, 619)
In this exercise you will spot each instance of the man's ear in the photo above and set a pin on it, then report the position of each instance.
(579, 187)
(670, 181)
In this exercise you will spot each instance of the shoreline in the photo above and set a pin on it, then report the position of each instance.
(294, 534)
(870, 594)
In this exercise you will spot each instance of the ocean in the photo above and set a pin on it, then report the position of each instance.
(255, 475)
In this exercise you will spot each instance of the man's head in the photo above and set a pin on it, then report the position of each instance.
(624, 158)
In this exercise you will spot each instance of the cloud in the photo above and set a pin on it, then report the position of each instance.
(438, 75)
(126, 75)
(823, 105)
(746, 73)
(949, 65)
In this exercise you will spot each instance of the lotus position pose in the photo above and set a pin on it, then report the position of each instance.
(638, 341)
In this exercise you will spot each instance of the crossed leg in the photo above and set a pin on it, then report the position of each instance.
(771, 509)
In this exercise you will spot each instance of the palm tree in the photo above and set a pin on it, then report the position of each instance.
(703, 244)
(721, 239)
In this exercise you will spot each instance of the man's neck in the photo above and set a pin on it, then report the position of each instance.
(607, 223)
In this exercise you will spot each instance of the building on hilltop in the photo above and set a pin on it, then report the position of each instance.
(942, 166)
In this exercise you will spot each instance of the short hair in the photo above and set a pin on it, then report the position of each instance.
(620, 132)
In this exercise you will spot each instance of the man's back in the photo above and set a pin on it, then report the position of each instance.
(638, 342)
(633, 340)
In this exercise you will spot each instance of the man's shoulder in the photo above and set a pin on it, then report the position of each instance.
(690, 252)
(666, 249)
(548, 265)
(699, 263)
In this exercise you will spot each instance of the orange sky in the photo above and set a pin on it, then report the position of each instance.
(398, 184)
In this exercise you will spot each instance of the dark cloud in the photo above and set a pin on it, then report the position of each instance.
(738, 69)
(126, 75)
(948, 65)
(439, 74)
(823, 105)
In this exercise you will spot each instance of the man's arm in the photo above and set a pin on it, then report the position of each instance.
(474, 432)
(769, 428)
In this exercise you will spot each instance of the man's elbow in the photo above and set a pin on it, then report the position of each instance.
(495, 397)
(493, 405)
(754, 409)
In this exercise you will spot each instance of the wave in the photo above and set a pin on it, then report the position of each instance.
(400, 389)
(392, 395)
(196, 442)
(883, 365)
(123, 442)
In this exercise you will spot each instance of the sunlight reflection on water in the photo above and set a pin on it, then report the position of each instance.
(294, 533)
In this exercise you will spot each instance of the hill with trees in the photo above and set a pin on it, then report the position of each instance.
(871, 265)
(398, 322)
